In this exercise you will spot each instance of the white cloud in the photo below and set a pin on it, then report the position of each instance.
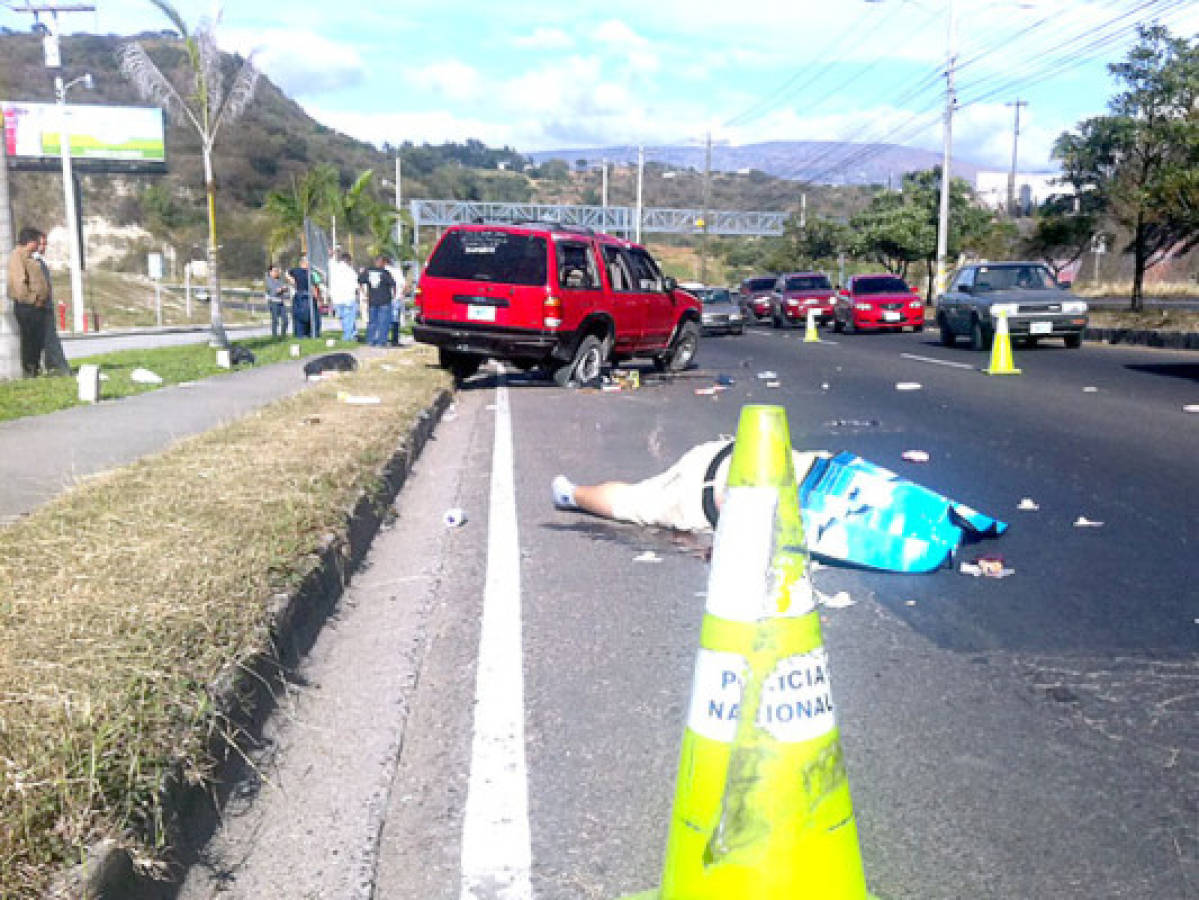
(451, 79)
(303, 63)
(545, 39)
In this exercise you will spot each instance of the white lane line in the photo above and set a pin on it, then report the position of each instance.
(935, 361)
(496, 853)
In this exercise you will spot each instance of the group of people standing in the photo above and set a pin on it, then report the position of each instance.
(379, 285)
(32, 298)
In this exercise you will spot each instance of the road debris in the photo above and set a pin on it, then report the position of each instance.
(908, 386)
(144, 376)
(706, 391)
(1089, 389)
(824, 386)
(1191, 408)
(986, 567)
(916, 456)
(839, 600)
(1084, 522)
(851, 423)
(1028, 504)
(767, 375)
(454, 517)
(330, 342)
(295, 351)
(773, 384)
(89, 383)
(725, 381)
(909, 602)
(649, 556)
(359, 399)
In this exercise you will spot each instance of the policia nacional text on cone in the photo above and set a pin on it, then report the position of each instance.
(762, 807)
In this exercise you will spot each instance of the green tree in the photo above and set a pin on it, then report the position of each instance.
(1063, 228)
(308, 198)
(353, 208)
(1140, 161)
(206, 107)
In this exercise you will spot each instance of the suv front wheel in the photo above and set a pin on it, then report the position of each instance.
(681, 352)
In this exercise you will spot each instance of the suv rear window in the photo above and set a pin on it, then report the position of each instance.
(808, 283)
(880, 286)
(490, 256)
(761, 284)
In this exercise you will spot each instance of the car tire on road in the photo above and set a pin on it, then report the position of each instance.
(1072, 341)
(585, 366)
(460, 365)
(838, 326)
(681, 352)
(979, 339)
(948, 338)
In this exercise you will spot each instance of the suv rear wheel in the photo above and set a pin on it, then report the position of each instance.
(460, 365)
(585, 366)
(681, 352)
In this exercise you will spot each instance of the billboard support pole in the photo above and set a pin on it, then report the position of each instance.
(10, 341)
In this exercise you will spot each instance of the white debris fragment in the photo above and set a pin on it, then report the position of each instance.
(454, 517)
(359, 399)
(1028, 504)
(144, 376)
(909, 602)
(295, 351)
(839, 600)
(908, 386)
(330, 342)
(1084, 522)
(988, 568)
(824, 386)
(773, 384)
(767, 375)
(649, 556)
(917, 456)
(1191, 408)
(1090, 389)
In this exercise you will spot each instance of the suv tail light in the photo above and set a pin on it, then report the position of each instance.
(551, 312)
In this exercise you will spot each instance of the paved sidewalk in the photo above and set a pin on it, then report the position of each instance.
(41, 456)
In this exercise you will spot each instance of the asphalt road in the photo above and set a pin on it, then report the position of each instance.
(1034, 736)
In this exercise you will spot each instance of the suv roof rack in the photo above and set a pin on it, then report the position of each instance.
(556, 226)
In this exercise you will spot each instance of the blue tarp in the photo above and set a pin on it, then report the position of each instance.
(857, 512)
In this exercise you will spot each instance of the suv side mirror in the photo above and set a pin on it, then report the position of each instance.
(670, 283)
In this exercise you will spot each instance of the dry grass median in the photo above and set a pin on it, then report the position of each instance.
(124, 602)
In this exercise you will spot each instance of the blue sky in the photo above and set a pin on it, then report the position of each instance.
(537, 75)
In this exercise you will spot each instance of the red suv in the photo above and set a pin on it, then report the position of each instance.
(796, 294)
(873, 302)
(545, 294)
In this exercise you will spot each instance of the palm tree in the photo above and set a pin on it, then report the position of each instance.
(309, 198)
(354, 206)
(206, 107)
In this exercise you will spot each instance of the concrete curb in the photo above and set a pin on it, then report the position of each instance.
(1169, 340)
(246, 694)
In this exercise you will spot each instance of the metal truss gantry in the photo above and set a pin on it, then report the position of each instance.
(610, 219)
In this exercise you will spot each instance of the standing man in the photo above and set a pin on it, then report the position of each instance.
(343, 294)
(30, 294)
(397, 301)
(276, 302)
(302, 309)
(380, 288)
(52, 357)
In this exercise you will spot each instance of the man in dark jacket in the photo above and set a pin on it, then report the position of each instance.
(29, 290)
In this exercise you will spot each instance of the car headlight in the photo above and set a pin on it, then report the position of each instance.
(863, 307)
(1074, 307)
(1000, 309)
(915, 304)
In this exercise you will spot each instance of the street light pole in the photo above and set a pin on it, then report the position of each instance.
(947, 154)
(68, 186)
(1011, 178)
(640, 178)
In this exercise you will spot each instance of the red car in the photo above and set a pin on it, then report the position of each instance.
(755, 297)
(796, 294)
(876, 302)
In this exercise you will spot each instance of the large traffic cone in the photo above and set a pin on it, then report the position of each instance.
(762, 808)
(811, 336)
(1001, 350)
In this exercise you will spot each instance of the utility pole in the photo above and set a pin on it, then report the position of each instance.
(399, 202)
(10, 340)
(1011, 178)
(803, 211)
(947, 155)
(703, 237)
(640, 179)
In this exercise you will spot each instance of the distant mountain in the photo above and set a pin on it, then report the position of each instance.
(821, 162)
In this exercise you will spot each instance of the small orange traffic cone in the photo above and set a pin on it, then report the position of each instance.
(1001, 350)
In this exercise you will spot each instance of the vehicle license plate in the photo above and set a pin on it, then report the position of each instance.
(890, 317)
(480, 313)
(1040, 328)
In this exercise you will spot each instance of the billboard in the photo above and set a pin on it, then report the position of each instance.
(103, 138)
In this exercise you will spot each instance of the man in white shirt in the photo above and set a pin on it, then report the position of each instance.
(343, 293)
(397, 301)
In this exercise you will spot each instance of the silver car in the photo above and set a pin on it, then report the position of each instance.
(721, 313)
(1036, 305)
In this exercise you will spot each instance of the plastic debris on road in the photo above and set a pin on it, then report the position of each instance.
(986, 567)
(851, 423)
(144, 376)
(824, 386)
(1191, 408)
(1028, 504)
(649, 556)
(295, 351)
(767, 375)
(725, 381)
(908, 386)
(706, 392)
(330, 342)
(455, 517)
(773, 384)
(1084, 522)
(1090, 390)
(839, 600)
(916, 456)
